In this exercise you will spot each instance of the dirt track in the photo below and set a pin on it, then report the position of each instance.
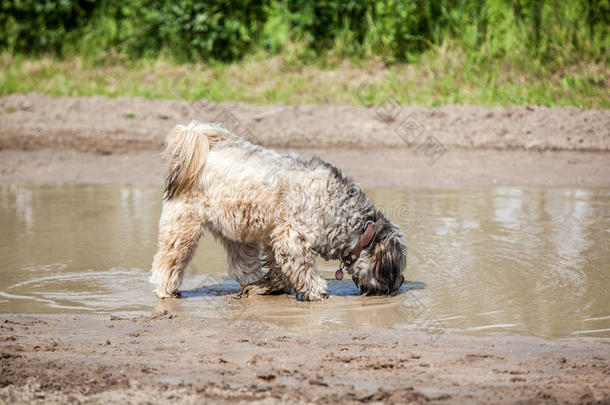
(56, 359)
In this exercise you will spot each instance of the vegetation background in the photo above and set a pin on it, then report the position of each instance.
(490, 52)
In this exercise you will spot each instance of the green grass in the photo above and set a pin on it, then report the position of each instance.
(438, 77)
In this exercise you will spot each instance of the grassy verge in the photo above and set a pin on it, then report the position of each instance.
(438, 77)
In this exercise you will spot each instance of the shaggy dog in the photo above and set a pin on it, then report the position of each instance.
(274, 214)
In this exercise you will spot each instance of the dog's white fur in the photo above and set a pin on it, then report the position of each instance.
(273, 213)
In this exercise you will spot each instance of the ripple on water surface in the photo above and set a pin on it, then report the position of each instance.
(481, 261)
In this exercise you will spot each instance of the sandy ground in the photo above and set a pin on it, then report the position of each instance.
(103, 125)
(161, 358)
(117, 140)
(375, 168)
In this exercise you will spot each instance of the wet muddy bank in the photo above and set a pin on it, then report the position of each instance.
(103, 140)
(59, 358)
(374, 168)
(104, 125)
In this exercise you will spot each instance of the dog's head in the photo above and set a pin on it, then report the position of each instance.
(379, 269)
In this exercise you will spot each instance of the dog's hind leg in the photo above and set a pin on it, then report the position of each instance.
(273, 282)
(180, 228)
(245, 261)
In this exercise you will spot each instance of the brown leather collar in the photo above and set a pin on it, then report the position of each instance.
(368, 233)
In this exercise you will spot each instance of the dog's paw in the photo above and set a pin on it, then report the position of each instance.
(317, 291)
(312, 296)
(251, 290)
(175, 294)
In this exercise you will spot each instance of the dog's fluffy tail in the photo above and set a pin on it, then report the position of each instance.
(186, 150)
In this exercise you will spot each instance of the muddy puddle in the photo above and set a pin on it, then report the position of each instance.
(481, 261)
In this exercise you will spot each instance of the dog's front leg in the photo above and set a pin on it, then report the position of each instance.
(304, 278)
(295, 256)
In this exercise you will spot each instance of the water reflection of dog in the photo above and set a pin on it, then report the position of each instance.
(274, 214)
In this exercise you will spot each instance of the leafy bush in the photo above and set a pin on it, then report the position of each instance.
(35, 26)
(192, 30)
(550, 31)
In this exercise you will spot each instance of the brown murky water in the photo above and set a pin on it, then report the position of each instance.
(481, 261)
